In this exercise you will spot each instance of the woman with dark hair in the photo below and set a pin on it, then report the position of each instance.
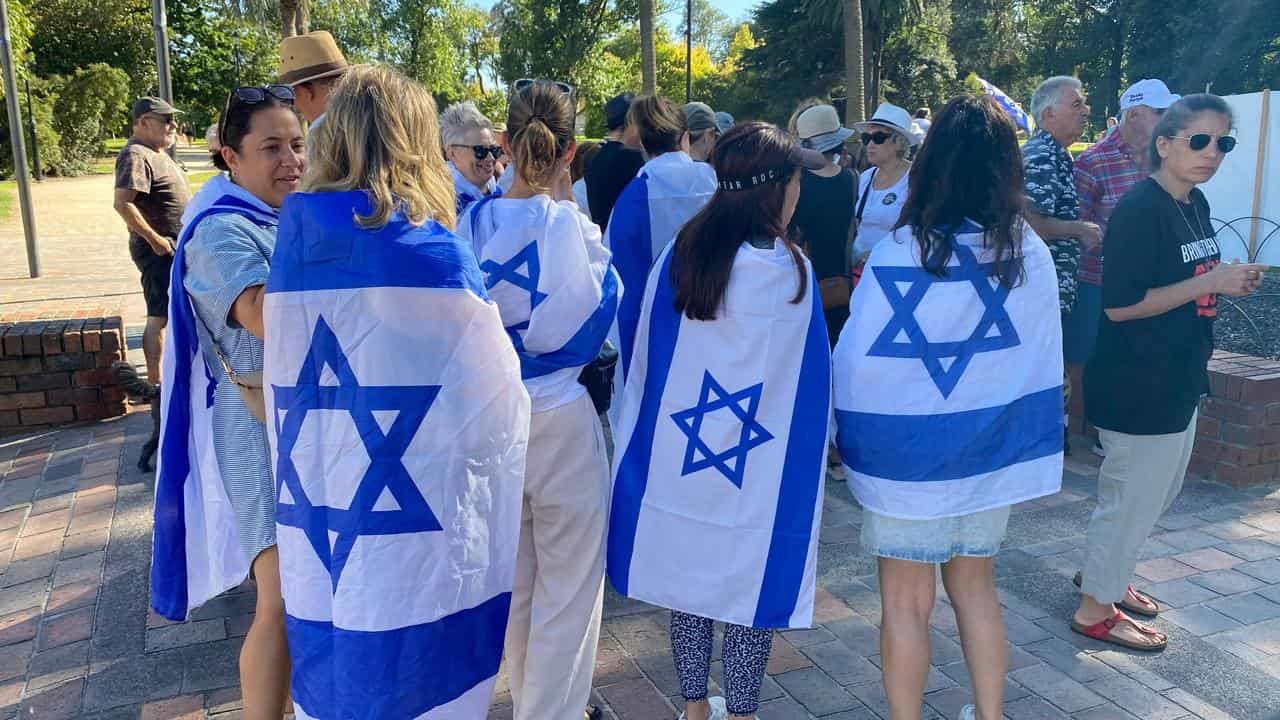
(722, 427)
(1160, 288)
(558, 321)
(948, 382)
(214, 441)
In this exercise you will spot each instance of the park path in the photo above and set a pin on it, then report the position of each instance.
(77, 639)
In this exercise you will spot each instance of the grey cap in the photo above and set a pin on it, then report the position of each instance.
(699, 117)
(724, 121)
(151, 104)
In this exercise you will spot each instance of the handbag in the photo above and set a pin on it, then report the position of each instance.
(597, 377)
(835, 291)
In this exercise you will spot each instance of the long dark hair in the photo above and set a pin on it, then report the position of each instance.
(970, 168)
(706, 246)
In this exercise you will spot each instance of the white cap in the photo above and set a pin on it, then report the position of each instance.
(1152, 93)
(892, 117)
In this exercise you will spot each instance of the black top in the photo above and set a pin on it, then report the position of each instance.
(609, 172)
(823, 214)
(162, 192)
(1147, 376)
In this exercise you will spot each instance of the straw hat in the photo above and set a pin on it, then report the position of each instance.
(313, 56)
(819, 128)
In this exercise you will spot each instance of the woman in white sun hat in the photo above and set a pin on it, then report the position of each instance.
(882, 188)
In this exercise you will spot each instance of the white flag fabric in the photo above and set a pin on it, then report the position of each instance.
(668, 191)
(399, 426)
(533, 253)
(196, 551)
(721, 449)
(949, 388)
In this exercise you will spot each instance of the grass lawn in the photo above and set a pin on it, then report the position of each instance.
(195, 180)
(8, 198)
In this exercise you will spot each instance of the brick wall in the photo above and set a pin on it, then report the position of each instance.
(59, 371)
(1238, 433)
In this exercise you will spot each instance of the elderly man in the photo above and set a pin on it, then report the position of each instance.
(311, 64)
(472, 150)
(1103, 174)
(1053, 208)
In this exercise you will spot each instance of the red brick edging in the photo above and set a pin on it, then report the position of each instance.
(1238, 433)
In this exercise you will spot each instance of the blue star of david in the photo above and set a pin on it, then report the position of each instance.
(509, 271)
(743, 404)
(332, 531)
(932, 354)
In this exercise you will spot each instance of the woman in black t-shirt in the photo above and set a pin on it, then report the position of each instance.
(1159, 291)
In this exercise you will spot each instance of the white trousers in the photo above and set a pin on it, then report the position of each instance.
(1139, 479)
(558, 597)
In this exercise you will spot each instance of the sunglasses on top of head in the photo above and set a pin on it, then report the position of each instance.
(482, 151)
(877, 137)
(251, 95)
(523, 83)
(1200, 141)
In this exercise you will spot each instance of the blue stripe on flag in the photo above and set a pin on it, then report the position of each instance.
(950, 446)
(631, 243)
(399, 673)
(633, 469)
(318, 232)
(585, 344)
(798, 493)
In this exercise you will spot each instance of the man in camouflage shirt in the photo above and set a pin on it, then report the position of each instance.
(1053, 207)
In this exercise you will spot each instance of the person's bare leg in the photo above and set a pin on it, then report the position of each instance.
(153, 346)
(907, 594)
(972, 589)
(264, 659)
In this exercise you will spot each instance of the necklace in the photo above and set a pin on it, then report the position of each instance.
(1202, 235)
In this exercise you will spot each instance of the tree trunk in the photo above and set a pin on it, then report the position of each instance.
(1116, 62)
(295, 18)
(854, 90)
(302, 17)
(648, 59)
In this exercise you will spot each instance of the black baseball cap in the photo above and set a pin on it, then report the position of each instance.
(615, 111)
(151, 104)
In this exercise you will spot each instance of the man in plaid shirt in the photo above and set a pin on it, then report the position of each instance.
(1103, 174)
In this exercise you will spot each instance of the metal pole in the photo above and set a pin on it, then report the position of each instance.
(688, 51)
(158, 23)
(19, 145)
(35, 142)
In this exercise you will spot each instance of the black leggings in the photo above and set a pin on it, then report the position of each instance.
(746, 653)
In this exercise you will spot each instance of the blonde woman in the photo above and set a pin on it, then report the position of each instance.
(557, 314)
(399, 423)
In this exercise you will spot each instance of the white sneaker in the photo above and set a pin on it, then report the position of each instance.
(718, 709)
(968, 712)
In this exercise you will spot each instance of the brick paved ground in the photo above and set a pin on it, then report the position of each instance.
(76, 639)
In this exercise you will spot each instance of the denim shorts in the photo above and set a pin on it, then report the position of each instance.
(937, 540)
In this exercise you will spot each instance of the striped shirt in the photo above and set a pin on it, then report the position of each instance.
(1103, 174)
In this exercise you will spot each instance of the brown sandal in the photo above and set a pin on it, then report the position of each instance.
(1102, 631)
(1152, 608)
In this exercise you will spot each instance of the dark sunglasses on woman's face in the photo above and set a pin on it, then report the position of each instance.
(523, 83)
(877, 138)
(1200, 141)
(482, 151)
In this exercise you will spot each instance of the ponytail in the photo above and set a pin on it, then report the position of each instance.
(539, 132)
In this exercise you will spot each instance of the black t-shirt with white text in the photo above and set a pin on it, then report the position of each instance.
(1146, 376)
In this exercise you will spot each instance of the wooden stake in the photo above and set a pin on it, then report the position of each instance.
(1259, 169)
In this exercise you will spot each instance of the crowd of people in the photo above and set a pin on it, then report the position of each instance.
(393, 333)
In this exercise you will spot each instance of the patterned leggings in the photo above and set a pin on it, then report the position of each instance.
(746, 653)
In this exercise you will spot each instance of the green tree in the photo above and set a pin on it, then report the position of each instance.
(553, 38)
(68, 34)
(919, 70)
(91, 106)
(712, 28)
(797, 56)
(213, 51)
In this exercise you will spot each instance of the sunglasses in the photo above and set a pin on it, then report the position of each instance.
(564, 87)
(1200, 141)
(878, 138)
(482, 151)
(250, 95)
(162, 119)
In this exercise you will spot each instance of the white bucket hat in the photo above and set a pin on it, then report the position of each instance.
(892, 117)
(819, 129)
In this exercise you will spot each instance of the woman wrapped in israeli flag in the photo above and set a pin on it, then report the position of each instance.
(670, 188)
(948, 385)
(722, 432)
(555, 288)
(215, 495)
(398, 423)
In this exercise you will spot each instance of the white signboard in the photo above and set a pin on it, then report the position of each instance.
(1231, 192)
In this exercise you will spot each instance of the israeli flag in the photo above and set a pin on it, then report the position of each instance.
(721, 449)
(949, 388)
(466, 192)
(532, 254)
(196, 553)
(668, 191)
(399, 426)
(1015, 111)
